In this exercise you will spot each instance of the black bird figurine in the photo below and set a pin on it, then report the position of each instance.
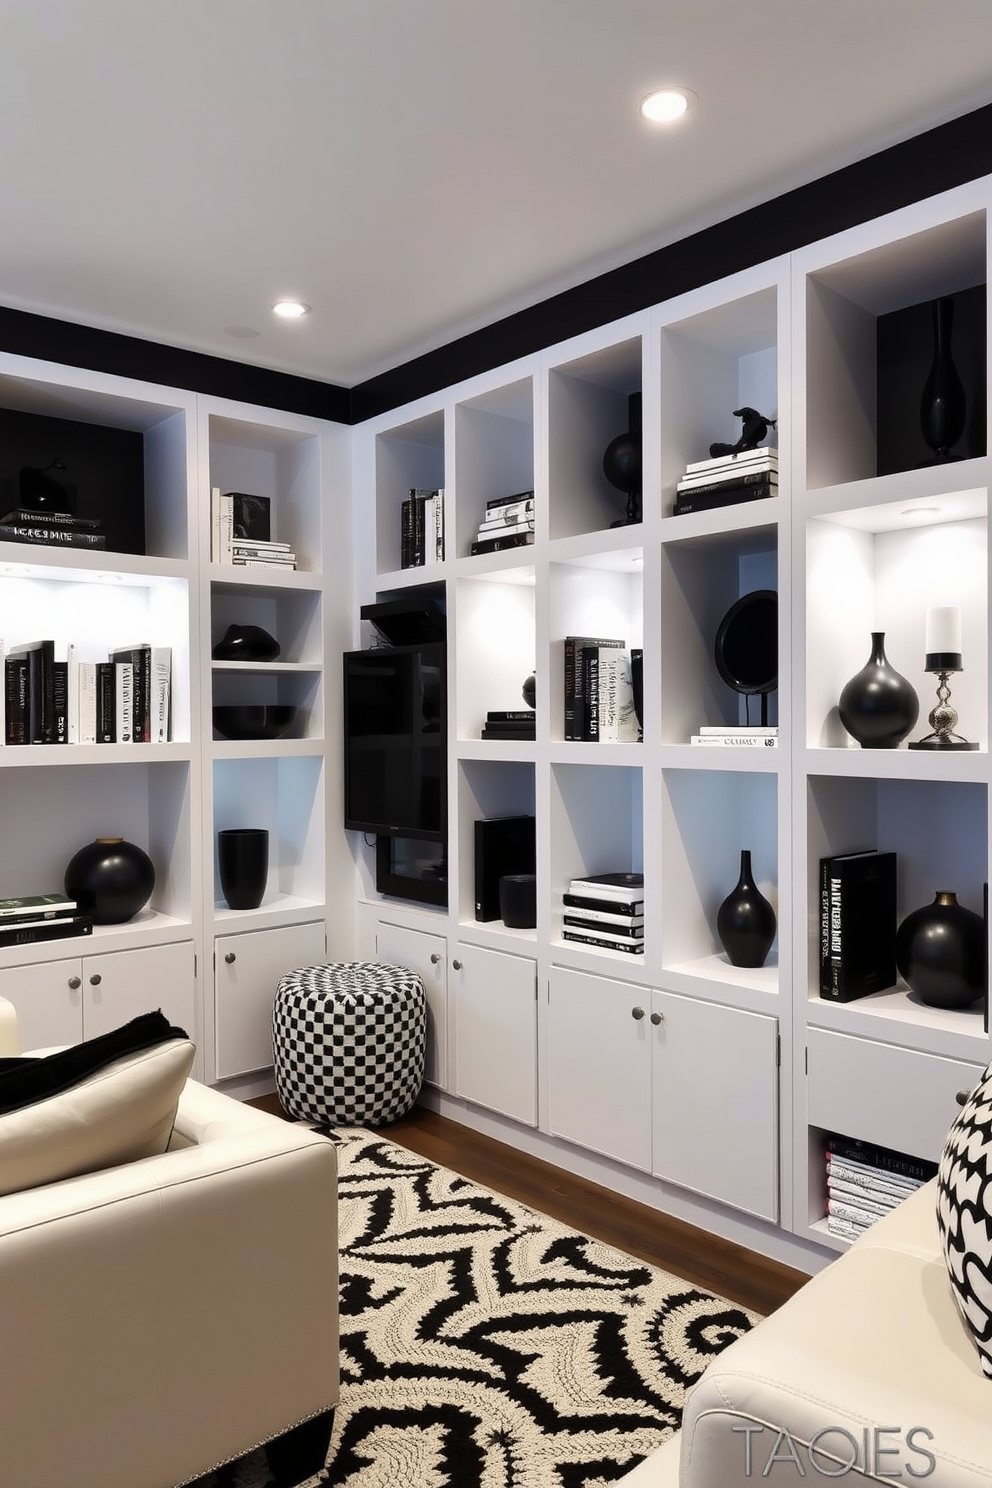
(755, 429)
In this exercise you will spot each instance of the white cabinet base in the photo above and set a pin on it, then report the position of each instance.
(247, 969)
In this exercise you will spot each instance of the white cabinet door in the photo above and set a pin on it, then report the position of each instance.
(247, 969)
(599, 1065)
(119, 986)
(495, 1016)
(48, 998)
(715, 1101)
(425, 954)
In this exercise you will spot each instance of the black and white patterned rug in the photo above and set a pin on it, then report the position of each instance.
(484, 1345)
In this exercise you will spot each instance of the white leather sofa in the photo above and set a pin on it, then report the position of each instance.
(870, 1362)
(163, 1317)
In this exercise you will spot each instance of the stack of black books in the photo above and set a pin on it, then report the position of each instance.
(726, 479)
(509, 724)
(51, 529)
(37, 917)
(606, 910)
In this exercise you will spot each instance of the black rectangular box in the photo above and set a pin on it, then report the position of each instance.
(503, 844)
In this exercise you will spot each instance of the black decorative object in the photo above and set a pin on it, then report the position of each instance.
(110, 880)
(518, 900)
(40, 491)
(942, 404)
(745, 921)
(254, 720)
(529, 691)
(637, 688)
(943, 657)
(754, 431)
(746, 646)
(940, 953)
(878, 706)
(622, 463)
(246, 643)
(243, 864)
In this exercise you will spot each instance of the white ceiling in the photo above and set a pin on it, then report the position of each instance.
(415, 169)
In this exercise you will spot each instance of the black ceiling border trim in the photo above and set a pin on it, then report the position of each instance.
(23, 333)
(948, 155)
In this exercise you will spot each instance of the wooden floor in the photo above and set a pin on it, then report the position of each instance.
(718, 1265)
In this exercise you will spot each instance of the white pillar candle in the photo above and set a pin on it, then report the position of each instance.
(943, 629)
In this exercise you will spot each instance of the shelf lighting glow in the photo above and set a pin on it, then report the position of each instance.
(666, 105)
(290, 309)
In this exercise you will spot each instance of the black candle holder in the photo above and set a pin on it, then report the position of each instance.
(943, 718)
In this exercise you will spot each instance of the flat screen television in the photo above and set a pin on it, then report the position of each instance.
(395, 775)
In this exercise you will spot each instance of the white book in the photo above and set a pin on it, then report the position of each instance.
(160, 696)
(124, 702)
(225, 527)
(288, 561)
(756, 474)
(593, 888)
(86, 703)
(617, 718)
(735, 741)
(602, 916)
(722, 731)
(439, 525)
(215, 524)
(428, 519)
(734, 462)
(515, 524)
(517, 511)
(71, 694)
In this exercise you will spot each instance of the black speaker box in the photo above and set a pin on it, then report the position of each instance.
(503, 844)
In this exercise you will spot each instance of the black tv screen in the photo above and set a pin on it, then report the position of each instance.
(394, 735)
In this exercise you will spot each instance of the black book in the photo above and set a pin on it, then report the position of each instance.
(21, 516)
(857, 924)
(634, 930)
(251, 516)
(725, 495)
(29, 934)
(883, 1158)
(140, 658)
(60, 702)
(51, 536)
(16, 699)
(589, 666)
(497, 544)
(495, 502)
(506, 731)
(406, 533)
(511, 715)
(631, 948)
(503, 845)
(632, 907)
(106, 702)
(40, 658)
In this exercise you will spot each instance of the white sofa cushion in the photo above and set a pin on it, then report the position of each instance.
(964, 1214)
(121, 1112)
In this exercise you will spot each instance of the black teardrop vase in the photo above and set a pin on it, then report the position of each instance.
(942, 404)
(243, 865)
(940, 953)
(745, 921)
(878, 706)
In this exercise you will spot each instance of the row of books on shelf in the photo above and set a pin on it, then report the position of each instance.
(605, 910)
(865, 1182)
(599, 697)
(49, 699)
(724, 480)
(52, 529)
(422, 527)
(508, 523)
(241, 532)
(39, 917)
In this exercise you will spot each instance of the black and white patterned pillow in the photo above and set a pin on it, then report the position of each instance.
(964, 1214)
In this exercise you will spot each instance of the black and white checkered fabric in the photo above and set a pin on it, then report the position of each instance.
(349, 1042)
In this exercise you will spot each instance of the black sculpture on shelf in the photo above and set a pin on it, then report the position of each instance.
(40, 491)
(755, 430)
(622, 463)
(942, 404)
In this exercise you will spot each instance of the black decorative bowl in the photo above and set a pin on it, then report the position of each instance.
(246, 643)
(255, 720)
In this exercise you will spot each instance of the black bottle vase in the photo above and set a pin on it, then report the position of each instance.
(940, 953)
(942, 403)
(243, 864)
(878, 706)
(745, 921)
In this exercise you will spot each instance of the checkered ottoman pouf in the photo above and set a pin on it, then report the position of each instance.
(349, 1042)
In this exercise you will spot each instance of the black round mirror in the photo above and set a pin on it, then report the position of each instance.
(746, 648)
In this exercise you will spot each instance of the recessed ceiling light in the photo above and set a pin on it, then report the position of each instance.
(920, 511)
(667, 105)
(290, 309)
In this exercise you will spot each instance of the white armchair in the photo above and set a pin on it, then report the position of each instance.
(172, 1314)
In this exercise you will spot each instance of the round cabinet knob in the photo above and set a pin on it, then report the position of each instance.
(657, 1018)
(435, 958)
(457, 965)
(637, 1014)
(75, 983)
(230, 958)
(95, 979)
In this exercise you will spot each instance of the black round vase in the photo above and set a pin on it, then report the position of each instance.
(745, 921)
(940, 953)
(110, 880)
(942, 404)
(243, 864)
(878, 706)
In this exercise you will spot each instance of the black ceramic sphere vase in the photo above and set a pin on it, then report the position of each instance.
(110, 880)
(878, 706)
(745, 921)
(940, 953)
(243, 865)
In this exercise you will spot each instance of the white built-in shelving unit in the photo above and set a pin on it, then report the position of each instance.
(701, 1088)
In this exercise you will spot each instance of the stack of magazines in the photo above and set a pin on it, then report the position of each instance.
(38, 917)
(865, 1182)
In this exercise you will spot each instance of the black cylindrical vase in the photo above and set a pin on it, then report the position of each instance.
(110, 880)
(940, 953)
(943, 404)
(878, 706)
(745, 921)
(243, 863)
